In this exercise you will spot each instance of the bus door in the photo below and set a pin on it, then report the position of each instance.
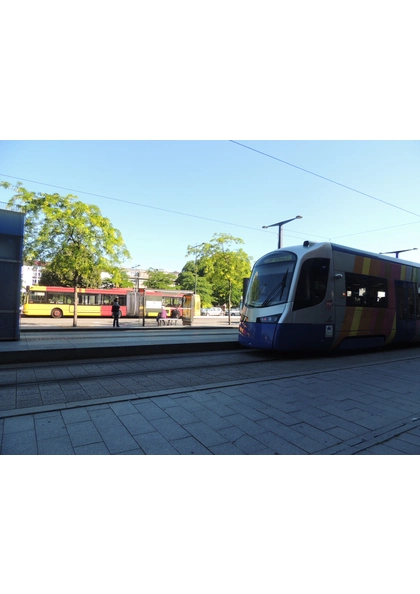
(187, 310)
(406, 310)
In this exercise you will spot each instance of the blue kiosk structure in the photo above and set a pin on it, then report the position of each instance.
(11, 249)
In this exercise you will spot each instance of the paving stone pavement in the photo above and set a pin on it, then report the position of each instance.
(366, 410)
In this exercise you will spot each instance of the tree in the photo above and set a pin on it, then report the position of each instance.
(74, 237)
(51, 276)
(189, 281)
(224, 268)
(116, 278)
(160, 280)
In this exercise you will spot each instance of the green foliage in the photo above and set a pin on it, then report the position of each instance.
(50, 279)
(160, 280)
(187, 280)
(205, 290)
(59, 271)
(117, 278)
(54, 277)
(73, 237)
(223, 268)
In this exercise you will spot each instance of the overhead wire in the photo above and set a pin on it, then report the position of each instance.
(373, 230)
(237, 224)
(325, 178)
(185, 214)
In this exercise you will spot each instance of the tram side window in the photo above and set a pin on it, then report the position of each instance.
(418, 302)
(312, 284)
(400, 302)
(366, 291)
(407, 301)
(411, 313)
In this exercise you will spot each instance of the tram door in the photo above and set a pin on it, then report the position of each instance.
(406, 310)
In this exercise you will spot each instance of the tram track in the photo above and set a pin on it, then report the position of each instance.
(35, 335)
(24, 387)
(59, 385)
(44, 373)
(75, 371)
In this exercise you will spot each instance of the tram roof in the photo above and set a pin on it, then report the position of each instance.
(307, 245)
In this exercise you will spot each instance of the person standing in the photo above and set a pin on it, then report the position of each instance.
(116, 313)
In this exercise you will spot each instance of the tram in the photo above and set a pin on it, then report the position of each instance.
(325, 297)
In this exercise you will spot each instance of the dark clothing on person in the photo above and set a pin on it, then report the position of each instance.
(115, 313)
(175, 313)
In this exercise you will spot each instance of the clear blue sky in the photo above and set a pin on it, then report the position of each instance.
(165, 195)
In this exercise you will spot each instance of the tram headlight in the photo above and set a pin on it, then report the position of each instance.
(268, 319)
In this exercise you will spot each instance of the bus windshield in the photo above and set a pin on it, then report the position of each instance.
(270, 281)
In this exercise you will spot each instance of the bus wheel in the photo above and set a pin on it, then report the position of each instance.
(56, 313)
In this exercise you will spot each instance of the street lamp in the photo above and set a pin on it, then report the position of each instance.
(280, 226)
(396, 252)
(137, 275)
(137, 297)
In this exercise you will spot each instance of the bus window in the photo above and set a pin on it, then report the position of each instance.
(122, 299)
(37, 297)
(86, 299)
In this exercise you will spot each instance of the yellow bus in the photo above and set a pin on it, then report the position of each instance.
(58, 302)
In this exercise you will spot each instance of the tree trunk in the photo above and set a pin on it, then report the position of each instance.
(75, 308)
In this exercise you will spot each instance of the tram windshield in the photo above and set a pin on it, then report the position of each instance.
(270, 281)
